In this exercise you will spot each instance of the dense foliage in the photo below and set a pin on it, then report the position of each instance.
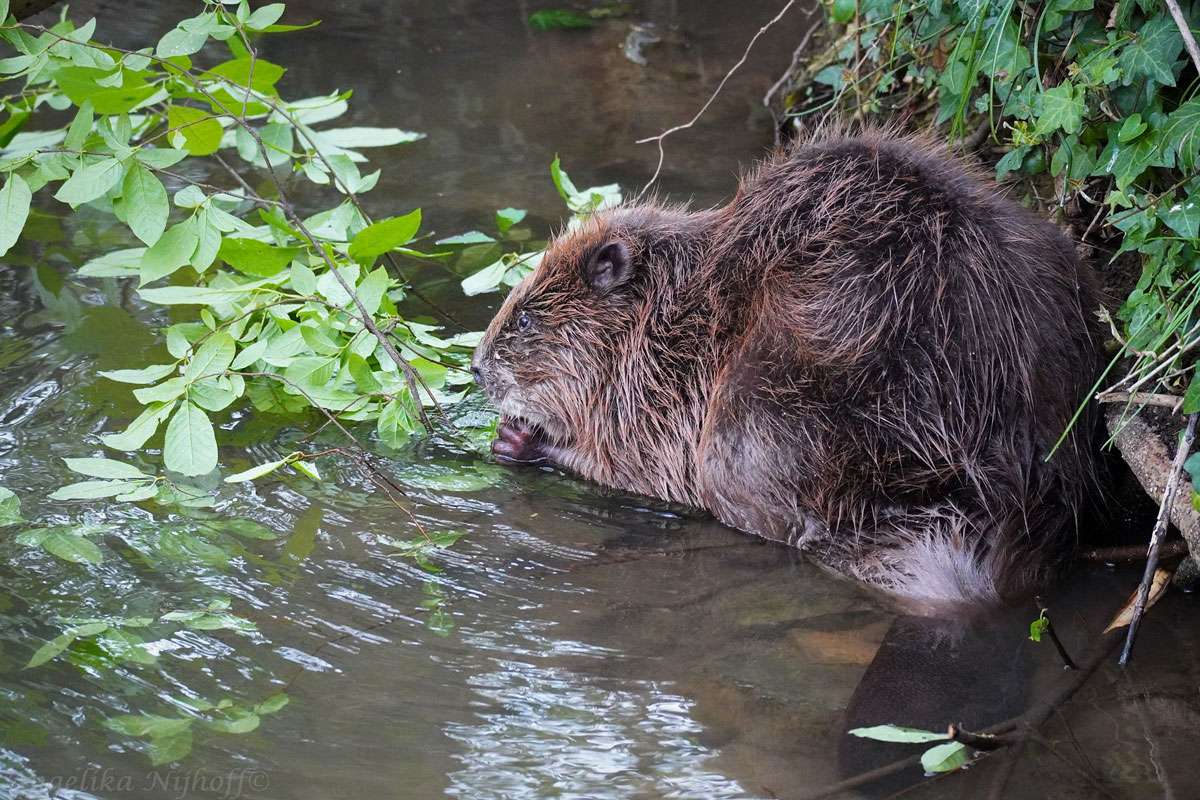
(1093, 110)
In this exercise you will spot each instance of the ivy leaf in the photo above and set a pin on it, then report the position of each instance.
(1183, 217)
(1152, 52)
(195, 131)
(383, 236)
(1182, 132)
(1191, 404)
(1061, 107)
(146, 206)
(190, 447)
(14, 210)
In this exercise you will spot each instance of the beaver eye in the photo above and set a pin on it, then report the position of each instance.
(524, 321)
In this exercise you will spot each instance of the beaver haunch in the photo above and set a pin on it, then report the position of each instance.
(868, 354)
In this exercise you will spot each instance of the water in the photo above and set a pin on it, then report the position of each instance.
(576, 642)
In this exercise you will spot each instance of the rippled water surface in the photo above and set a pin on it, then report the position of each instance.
(575, 642)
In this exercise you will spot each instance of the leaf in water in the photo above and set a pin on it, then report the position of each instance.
(165, 749)
(255, 472)
(272, 704)
(380, 237)
(141, 429)
(1158, 586)
(945, 758)
(190, 446)
(126, 646)
(93, 490)
(14, 210)
(896, 733)
(146, 207)
(307, 468)
(10, 508)
(144, 492)
(50, 650)
(104, 468)
(72, 547)
(242, 723)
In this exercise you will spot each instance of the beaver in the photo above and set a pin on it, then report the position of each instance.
(868, 353)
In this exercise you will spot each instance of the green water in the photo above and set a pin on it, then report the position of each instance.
(576, 642)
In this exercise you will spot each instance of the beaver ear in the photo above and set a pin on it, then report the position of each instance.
(608, 267)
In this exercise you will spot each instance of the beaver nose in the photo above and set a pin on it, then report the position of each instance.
(477, 374)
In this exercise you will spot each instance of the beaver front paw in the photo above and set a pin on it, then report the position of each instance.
(519, 442)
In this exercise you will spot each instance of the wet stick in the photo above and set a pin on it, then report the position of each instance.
(1156, 537)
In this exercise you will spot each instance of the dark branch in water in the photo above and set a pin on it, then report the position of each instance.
(1133, 552)
(1156, 536)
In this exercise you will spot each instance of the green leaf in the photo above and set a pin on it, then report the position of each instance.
(1153, 51)
(562, 182)
(171, 251)
(141, 429)
(50, 650)
(1037, 628)
(213, 357)
(166, 749)
(486, 280)
(81, 85)
(145, 375)
(14, 210)
(195, 131)
(126, 646)
(72, 547)
(272, 704)
(1191, 398)
(559, 18)
(265, 16)
(945, 757)
(238, 71)
(104, 468)
(160, 157)
(243, 723)
(180, 42)
(147, 725)
(190, 447)
(1131, 128)
(1183, 217)
(1182, 132)
(372, 289)
(80, 127)
(470, 237)
(380, 237)
(367, 137)
(1060, 108)
(117, 264)
(10, 508)
(308, 469)
(146, 206)
(507, 217)
(256, 472)
(896, 733)
(844, 10)
(199, 295)
(89, 182)
(93, 490)
(256, 258)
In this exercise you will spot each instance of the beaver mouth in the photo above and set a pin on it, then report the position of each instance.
(521, 441)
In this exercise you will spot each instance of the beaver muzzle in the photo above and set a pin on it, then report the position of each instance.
(519, 441)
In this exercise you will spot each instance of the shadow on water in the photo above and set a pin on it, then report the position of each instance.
(575, 642)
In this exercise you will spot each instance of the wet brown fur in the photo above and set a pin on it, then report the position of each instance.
(867, 353)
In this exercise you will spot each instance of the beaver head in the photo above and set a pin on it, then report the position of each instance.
(573, 358)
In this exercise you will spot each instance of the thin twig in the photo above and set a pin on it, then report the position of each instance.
(1058, 645)
(1133, 552)
(1185, 30)
(1156, 536)
(1171, 401)
(745, 54)
(799, 52)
